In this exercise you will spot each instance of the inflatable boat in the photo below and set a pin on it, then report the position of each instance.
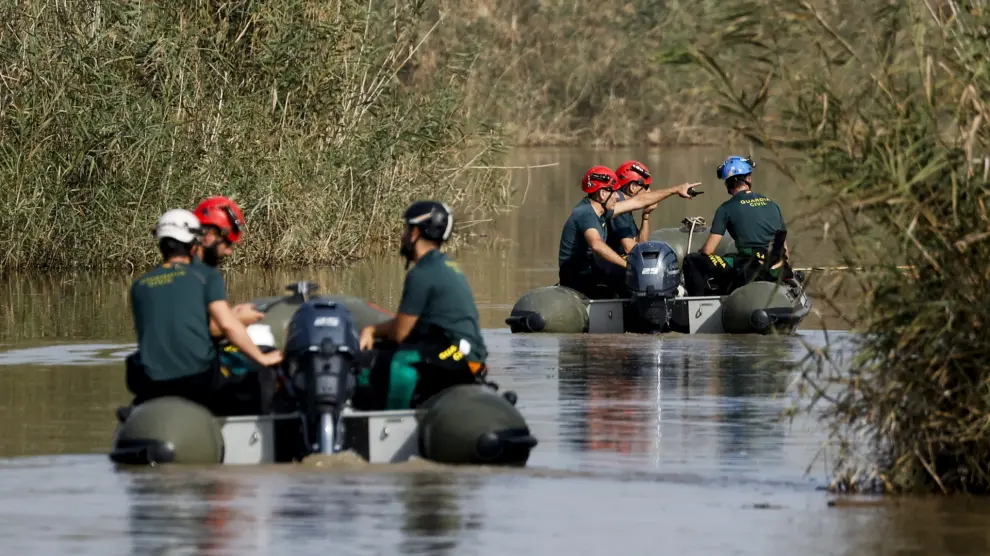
(656, 302)
(312, 411)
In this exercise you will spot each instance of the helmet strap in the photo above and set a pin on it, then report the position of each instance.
(605, 202)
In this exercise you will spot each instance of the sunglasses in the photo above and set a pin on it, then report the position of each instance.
(640, 183)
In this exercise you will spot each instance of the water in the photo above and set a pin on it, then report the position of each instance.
(646, 442)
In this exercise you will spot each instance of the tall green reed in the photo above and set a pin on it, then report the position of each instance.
(886, 129)
(114, 112)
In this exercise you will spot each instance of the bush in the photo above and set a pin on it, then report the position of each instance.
(114, 112)
(890, 127)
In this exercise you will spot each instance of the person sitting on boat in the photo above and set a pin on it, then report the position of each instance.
(585, 233)
(172, 305)
(752, 219)
(621, 232)
(436, 333)
(633, 177)
(222, 223)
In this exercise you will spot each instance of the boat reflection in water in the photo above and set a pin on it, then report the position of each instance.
(675, 402)
(301, 510)
(177, 512)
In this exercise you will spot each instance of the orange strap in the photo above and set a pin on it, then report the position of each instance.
(476, 367)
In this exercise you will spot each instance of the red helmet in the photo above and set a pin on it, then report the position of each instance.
(599, 177)
(632, 171)
(224, 214)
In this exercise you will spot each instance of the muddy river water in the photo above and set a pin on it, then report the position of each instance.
(648, 444)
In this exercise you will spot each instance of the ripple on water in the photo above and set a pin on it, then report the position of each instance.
(66, 354)
(644, 441)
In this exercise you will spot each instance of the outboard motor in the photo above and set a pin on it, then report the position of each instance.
(321, 351)
(652, 277)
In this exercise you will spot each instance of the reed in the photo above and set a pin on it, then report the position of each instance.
(113, 112)
(560, 72)
(889, 124)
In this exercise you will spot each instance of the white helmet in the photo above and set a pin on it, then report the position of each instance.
(178, 224)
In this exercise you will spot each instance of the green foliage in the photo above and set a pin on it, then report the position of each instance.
(890, 128)
(114, 112)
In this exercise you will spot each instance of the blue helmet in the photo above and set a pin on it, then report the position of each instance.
(735, 166)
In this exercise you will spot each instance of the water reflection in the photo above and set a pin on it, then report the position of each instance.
(177, 512)
(434, 518)
(659, 421)
(746, 387)
(676, 403)
(47, 409)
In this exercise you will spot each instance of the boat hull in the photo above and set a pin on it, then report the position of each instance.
(756, 308)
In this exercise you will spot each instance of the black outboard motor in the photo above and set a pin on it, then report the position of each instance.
(652, 277)
(321, 351)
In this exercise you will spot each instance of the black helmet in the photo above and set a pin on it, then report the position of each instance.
(433, 219)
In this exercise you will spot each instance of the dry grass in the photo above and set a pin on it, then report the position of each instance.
(890, 124)
(113, 112)
(587, 72)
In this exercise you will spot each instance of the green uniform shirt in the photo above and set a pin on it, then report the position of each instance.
(575, 253)
(169, 305)
(621, 227)
(438, 293)
(750, 218)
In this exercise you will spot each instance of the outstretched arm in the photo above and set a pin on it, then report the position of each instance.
(648, 198)
(396, 329)
(416, 292)
(245, 312)
(237, 335)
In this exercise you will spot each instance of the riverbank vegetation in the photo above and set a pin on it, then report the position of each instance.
(323, 118)
(559, 72)
(112, 112)
(890, 127)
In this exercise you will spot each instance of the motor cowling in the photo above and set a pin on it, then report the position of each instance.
(652, 277)
(321, 350)
(652, 270)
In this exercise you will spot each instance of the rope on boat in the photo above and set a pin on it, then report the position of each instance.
(693, 221)
(840, 268)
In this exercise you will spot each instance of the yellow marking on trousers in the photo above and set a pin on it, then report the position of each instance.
(452, 351)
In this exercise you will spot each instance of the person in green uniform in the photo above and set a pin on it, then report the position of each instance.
(436, 331)
(623, 234)
(621, 231)
(222, 224)
(172, 305)
(753, 220)
(585, 233)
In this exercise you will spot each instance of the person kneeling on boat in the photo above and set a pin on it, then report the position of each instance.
(752, 220)
(435, 334)
(222, 224)
(172, 305)
(585, 233)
